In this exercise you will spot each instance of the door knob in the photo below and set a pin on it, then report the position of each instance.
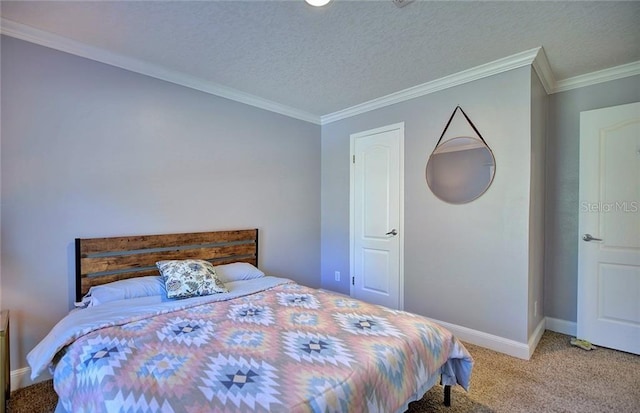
(392, 232)
(589, 237)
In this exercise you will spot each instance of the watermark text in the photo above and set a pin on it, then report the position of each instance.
(606, 207)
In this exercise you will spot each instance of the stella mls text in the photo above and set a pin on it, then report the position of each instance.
(618, 206)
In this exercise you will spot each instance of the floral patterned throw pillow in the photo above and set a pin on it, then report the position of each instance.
(189, 278)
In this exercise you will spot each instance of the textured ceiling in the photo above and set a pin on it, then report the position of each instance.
(325, 60)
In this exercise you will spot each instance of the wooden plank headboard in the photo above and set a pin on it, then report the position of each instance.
(103, 260)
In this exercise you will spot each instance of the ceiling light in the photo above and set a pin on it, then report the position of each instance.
(402, 3)
(317, 3)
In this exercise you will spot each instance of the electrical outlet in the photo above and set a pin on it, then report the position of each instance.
(337, 275)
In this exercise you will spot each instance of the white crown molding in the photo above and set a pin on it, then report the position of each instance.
(543, 70)
(613, 73)
(53, 41)
(515, 61)
(535, 57)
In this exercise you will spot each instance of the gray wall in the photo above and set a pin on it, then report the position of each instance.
(562, 203)
(539, 116)
(464, 264)
(90, 150)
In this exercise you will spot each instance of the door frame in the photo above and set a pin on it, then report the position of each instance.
(396, 126)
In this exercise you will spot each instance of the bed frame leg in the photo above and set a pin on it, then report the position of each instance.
(447, 396)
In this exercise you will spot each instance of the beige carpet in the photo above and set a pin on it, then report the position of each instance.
(558, 378)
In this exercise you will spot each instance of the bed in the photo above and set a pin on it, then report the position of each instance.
(246, 342)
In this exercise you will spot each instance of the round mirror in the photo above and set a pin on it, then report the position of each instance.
(460, 170)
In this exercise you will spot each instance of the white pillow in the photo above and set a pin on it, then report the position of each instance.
(123, 290)
(237, 271)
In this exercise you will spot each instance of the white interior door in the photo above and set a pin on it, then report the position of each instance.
(609, 251)
(376, 216)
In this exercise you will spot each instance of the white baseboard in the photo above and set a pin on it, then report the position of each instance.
(561, 326)
(21, 378)
(536, 336)
(496, 343)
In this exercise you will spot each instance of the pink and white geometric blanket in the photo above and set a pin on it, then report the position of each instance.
(284, 348)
